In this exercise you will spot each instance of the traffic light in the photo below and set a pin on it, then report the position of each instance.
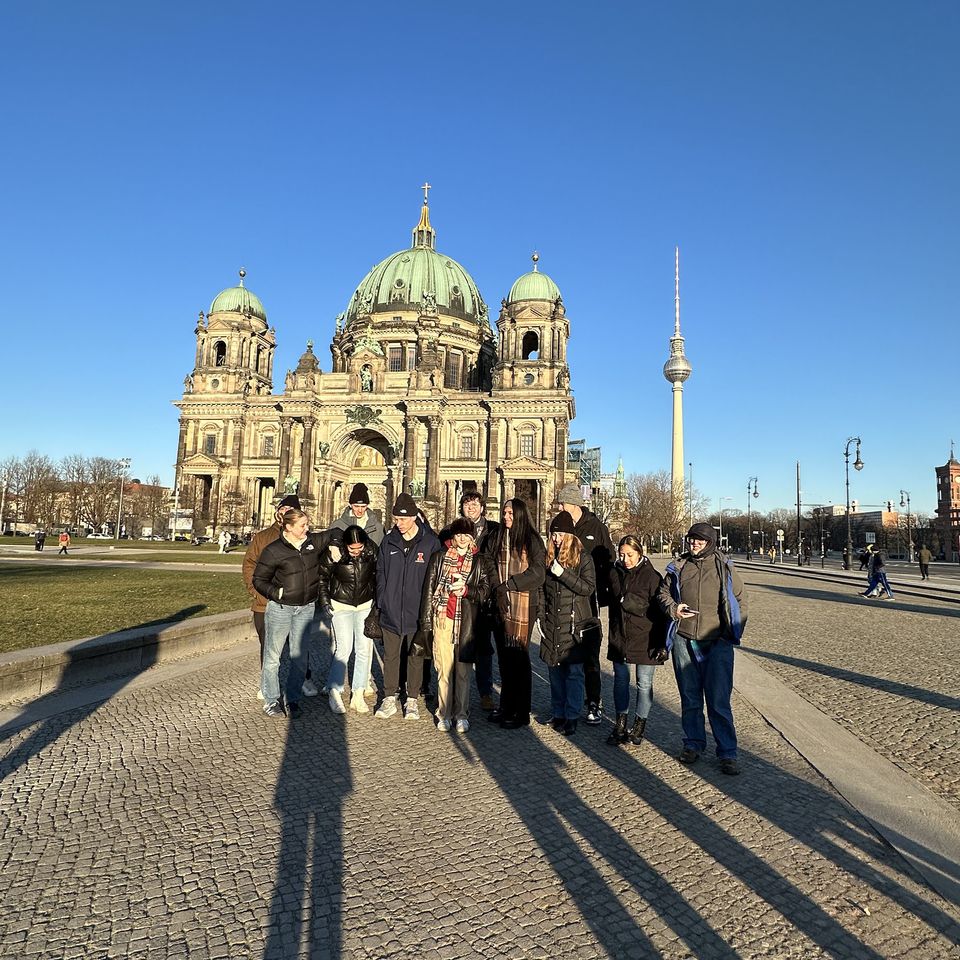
(889, 506)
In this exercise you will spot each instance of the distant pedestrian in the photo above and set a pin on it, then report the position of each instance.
(595, 537)
(568, 621)
(288, 574)
(865, 557)
(348, 586)
(638, 637)
(705, 598)
(878, 585)
(772, 554)
(517, 550)
(402, 565)
(224, 541)
(924, 558)
(458, 583)
(64, 541)
(40, 536)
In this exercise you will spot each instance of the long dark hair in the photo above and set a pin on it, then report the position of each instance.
(355, 534)
(522, 532)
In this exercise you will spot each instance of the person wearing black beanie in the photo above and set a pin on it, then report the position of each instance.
(357, 513)
(706, 602)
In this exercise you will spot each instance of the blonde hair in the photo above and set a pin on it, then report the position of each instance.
(291, 517)
(569, 551)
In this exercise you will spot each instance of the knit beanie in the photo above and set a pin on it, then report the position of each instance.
(702, 531)
(570, 493)
(562, 522)
(405, 506)
(462, 525)
(359, 494)
(290, 501)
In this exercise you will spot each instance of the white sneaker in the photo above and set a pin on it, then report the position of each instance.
(387, 709)
(309, 688)
(336, 702)
(259, 694)
(358, 704)
(463, 725)
(371, 690)
(411, 709)
(443, 725)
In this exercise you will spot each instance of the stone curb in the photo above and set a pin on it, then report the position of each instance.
(34, 672)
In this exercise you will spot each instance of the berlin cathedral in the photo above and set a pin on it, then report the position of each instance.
(422, 396)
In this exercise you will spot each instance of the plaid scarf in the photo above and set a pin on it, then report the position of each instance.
(446, 604)
(517, 620)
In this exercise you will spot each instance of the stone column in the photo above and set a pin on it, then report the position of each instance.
(236, 454)
(306, 459)
(493, 459)
(285, 426)
(409, 453)
(451, 506)
(182, 442)
(550, 439)
(433, 462)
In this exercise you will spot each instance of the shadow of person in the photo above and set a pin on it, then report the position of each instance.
(77, 671)
(856, 598)
(306, 906)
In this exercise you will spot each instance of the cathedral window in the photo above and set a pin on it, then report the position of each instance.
(411, 356)
(466, 446)
(452, 369)
(531, 345)
(268, 446)
(210, 444)
(396, 358)
(526, 444)
(259, 355)
(219, 354)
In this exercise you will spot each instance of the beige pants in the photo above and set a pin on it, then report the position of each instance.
(448, 667)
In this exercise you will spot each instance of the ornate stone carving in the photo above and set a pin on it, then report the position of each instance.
(323, 449)
(363, 415)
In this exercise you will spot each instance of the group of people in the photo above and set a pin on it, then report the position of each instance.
(483, 588)
(878, 586)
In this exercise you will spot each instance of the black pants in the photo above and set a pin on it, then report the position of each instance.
(260, 627)
(924, 571)
(515, 679)
(591, 665)
(396, 648)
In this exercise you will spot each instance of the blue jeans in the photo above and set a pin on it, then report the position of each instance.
(283, 622)
(484, 668)
(566, 690)
(347, 638)
(621, 688)
(712, 680)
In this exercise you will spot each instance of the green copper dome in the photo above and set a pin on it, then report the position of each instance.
(533, 286)
(238, 300)
(419, 278)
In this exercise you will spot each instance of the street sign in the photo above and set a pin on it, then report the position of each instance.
(780, 534)
(870, 537)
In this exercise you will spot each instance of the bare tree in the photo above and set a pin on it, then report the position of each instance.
(103, 488)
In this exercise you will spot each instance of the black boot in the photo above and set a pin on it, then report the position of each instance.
(618, 734)
(636, 734)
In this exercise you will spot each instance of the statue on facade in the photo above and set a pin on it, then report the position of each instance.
(323, 449)
(563, 379)
(416, 489)
(366, 379)
(428, 305)
(188, 383)
(558, 308)
(340, 321)
(289, 381)
(291, 486)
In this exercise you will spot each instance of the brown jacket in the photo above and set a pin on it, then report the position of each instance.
(260, 540)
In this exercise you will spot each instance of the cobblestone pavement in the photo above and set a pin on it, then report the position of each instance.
(886, 669)
(177, 821)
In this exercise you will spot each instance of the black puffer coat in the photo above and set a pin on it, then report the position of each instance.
(637, 623)
(282, 567)
(350, 580)
(479, 584)
(566, 613)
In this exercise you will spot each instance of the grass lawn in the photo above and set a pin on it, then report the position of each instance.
(48, 604)
(130, 550)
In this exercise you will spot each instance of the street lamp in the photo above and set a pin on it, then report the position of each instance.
(905, 495)
(857, 465)
(720, 505)
(122, 465)
(752, 480)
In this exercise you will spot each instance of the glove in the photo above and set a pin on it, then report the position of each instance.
(658, 654)
(502, 600)
(556, 569)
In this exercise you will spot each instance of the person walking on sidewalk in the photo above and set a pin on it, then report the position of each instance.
(288, 575)
(348, 586)
(878, 578)
(705, 599)
(568, 621)
(517, 551)
(924, 556)
(402, 566)
(595, 538)
(638, 637)
(458, 582)
(64, 541)
(474, 508)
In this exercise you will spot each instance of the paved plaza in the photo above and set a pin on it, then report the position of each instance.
(173, 819)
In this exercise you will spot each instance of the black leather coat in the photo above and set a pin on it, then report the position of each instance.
(349, 580)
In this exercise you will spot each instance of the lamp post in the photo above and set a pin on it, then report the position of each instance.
(690, 501)
(857, 465)
(905, 496)
(720, 505)
(122, 465)
(752, 480)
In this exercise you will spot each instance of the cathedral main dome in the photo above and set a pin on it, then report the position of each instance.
(419, 278)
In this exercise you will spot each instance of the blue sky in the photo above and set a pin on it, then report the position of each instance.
(804, 157)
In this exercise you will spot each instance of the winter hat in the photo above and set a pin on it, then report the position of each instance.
(359, 494)
(405, 506)
(562, 522)
(290, 501)
(570, 493)
(462, 525)
(702, 531)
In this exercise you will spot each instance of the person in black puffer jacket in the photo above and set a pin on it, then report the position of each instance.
(348, 586)
(638, 636)
(288, 575)
(568, 621)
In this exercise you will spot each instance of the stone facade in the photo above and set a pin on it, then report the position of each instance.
(423, 396)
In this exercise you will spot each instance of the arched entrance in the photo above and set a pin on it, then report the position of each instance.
(369, 458)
